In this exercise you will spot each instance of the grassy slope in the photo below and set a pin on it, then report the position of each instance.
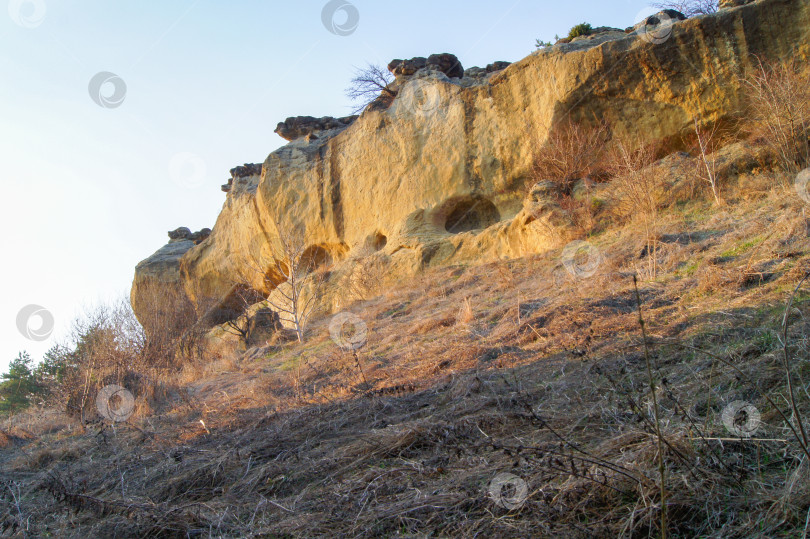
(515, 367)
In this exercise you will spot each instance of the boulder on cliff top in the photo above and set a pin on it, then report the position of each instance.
(445, 62)
(406, 68)
(497, 66)
(665, 16)
(242, 171)
(301, 126)
(248, 169)
(185, 234)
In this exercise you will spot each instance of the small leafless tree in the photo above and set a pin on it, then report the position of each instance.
(292, 275)
(297, 265)
(690, 8)
(572, 151)
(779, 98)
(706, 145)
(370, 84)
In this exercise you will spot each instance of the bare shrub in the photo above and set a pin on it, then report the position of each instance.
(107, 345)
(465, 313)
(303, 281)
(365, 279)
(638, 191)
(165, 317)
(237, 313)
(690, 8)
(779, 102)
(572, 151)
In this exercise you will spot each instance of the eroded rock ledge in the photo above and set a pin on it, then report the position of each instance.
(302, 126)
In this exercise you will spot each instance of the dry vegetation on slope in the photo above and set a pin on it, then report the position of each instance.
(518, 367)
(652, 381)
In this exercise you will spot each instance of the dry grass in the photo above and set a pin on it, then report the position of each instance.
(513, 367)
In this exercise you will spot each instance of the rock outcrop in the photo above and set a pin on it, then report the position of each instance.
(185, 234)
(406, 68)
(243, 175)
(302, 126)
(445, 62)
(497, 66)
(441, 175)
(663, 17)
(248, 169)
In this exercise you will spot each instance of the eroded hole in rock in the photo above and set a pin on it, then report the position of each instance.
(378, 241)
(471, 213)
(315, 257)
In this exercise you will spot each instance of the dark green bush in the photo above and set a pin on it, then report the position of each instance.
(583, 29)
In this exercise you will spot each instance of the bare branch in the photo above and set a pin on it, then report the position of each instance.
(690, 8)
(707, 145)
(370, 84)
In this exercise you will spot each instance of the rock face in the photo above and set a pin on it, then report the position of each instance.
(160, 275)
(444, 174)
(301, 126)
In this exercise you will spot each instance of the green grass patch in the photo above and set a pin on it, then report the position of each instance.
(688, 268)
(743, 247)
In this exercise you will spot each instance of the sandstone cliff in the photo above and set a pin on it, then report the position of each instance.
(441, 175)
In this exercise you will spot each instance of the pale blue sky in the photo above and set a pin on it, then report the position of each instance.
(87, 191)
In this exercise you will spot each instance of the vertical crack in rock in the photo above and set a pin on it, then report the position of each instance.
(334, 188)
(319, 169)
(472, 174)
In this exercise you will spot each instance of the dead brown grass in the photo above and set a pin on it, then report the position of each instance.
(544, 380)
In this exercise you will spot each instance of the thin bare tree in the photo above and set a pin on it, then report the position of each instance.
(371, 84)
(706, 146)
(292, 276)
(304, 278)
